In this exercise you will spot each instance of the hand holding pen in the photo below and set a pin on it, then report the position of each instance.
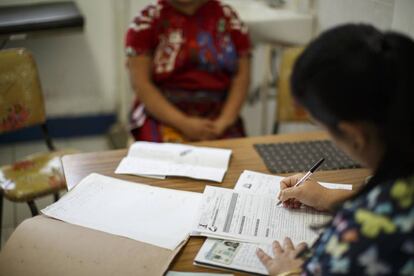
(306, 176)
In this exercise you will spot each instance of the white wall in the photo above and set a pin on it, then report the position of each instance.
(403, 19)
(334, 12)
(77, 70)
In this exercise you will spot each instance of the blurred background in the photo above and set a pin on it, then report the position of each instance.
(86, 87)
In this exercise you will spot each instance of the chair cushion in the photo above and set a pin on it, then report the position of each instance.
(34, 176)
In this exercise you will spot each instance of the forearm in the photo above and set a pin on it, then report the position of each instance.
(155, 103)
(237, 93)
(158, 106)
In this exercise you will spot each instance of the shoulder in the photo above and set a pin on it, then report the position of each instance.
(148, 16)
(230, 14)
(227, 10)
(387, 209)
(372, 234)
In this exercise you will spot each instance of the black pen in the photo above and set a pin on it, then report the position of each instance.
(307, 175)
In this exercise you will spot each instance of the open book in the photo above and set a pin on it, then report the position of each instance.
(153, 215)
(159, 160)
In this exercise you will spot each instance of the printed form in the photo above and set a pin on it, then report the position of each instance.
(225, 213)
(165, 159)
(158, 216)
(230, 254)
(267, 184)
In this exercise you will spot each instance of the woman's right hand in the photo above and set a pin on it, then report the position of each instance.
(309, 193)
(198, 129)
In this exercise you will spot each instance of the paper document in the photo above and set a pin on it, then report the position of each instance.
(267, 184)
(166, 159)
(162, 217)
(236, 255)
(232, 255)
(176, 273)
(225, 213)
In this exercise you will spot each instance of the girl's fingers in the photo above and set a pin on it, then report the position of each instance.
(265, 259)
(287, 244)
(277, 248)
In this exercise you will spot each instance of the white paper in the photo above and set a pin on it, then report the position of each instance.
(267, 184)
(176, 273)
(225, 213)
(162, 217)
(165, 159)
(239, 255)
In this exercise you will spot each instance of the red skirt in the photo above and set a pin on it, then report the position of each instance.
(203, 104)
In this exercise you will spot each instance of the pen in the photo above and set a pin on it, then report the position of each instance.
(185, 152)
(307, 175)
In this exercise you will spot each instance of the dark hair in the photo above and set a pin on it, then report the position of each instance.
(358, 73)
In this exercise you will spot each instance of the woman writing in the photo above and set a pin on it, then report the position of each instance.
(358, 84)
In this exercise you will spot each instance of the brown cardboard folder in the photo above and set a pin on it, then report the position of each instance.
(45, 246)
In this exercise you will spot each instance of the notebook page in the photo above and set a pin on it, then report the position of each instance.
(162, 217)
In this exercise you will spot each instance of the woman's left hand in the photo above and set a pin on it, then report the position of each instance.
(285, 257)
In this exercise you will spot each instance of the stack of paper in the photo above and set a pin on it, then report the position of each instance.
(165, 159)
(248, 218)
(162, 217)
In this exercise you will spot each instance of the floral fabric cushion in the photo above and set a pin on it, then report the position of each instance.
(33, 176)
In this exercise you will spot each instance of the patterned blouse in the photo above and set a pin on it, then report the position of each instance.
(371, 235)
(194, 60)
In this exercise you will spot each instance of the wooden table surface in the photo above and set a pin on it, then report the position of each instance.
(244, 157)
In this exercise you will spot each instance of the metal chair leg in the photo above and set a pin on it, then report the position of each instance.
(276, 126)
(33, 208)
(1, 214)
(56, 196)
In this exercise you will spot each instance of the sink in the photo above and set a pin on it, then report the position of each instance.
(274, 25)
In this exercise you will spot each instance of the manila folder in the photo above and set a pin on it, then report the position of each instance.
(45, 246)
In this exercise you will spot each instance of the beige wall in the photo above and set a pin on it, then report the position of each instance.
(77, 69)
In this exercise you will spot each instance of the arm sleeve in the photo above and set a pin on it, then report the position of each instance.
(238, 30)
(140, 37)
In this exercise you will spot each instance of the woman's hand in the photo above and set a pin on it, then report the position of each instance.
(198, 129)
(220, 126)
(310, 193)
(285, 258)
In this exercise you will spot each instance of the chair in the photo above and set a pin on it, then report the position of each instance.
(286, 108)
(21, 105)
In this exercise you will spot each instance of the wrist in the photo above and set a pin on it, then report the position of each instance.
(181, 122)
(225, 121)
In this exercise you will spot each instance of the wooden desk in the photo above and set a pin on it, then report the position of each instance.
(244, 157)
